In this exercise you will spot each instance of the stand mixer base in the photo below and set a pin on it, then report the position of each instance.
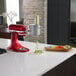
(18, 49)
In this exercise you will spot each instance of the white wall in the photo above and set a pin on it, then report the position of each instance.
(73, 11)
(12, 5)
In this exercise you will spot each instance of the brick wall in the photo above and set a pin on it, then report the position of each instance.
(31, 8)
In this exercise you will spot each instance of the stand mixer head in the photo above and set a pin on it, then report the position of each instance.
(17, 29)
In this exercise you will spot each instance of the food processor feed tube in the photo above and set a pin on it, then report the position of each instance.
(16, 30)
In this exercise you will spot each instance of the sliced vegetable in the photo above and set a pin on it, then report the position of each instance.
(38, 52)
(67, 47)
(59, 46)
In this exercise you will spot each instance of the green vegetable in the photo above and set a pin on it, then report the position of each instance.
(66, 46)
(38, 52)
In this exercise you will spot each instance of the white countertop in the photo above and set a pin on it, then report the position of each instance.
(29, 64)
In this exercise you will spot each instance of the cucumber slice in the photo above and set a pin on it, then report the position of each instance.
(66, 46)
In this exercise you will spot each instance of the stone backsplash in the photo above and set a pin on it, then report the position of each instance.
(32, 8)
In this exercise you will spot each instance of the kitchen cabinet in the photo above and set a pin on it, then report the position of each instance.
(4, 33)
(67, 68)
(58, 22)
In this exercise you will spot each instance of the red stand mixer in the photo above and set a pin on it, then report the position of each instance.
(16, 30)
